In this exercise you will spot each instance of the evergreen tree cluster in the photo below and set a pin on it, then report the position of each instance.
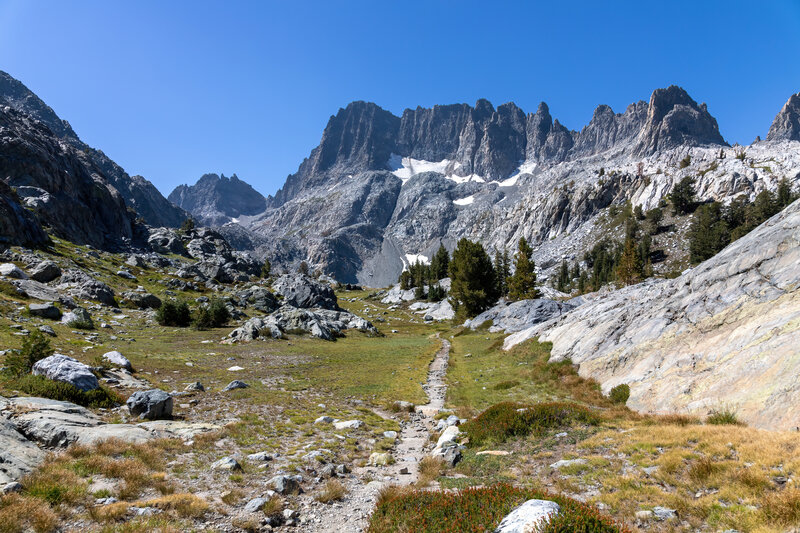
(477, 282)
(418, 275)
(715, 225)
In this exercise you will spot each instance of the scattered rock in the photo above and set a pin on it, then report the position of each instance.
(567, 462)
(379, 459)
(324, 420)
(663, 513)
(304, 292)
(226, 463)
(79, 315)
(196, 386)
(259, 457)
(255, 505)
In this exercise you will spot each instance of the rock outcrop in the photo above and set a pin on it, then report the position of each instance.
(724, 334)
(516, 316)
(786, 126)
(215, 200)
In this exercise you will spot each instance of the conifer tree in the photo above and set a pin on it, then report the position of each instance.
(629, 269)
(522, 283)
(473, 286)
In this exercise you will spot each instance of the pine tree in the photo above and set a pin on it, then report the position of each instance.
(522, 284)
(266, 269)
(473, 287)
(629, 269)
(405, 280)
(439, 264)
(708, 233)
(563, 277)
(784, 193)
(683, 196)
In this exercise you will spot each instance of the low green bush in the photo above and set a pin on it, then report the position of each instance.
(35, 346)
(212, 315)
(478, 510)
(505, 385)
(58, 390)
(620, 393)
(508, 419)
(723, 416)
(174, 313)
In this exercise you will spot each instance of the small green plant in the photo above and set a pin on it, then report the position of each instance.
(35, 347)
(174, 313)
(82, 324)
(187, 225)
(477, 509)
(266, 269)
(685, 162)
(507, 419)
(722, 416)
(505, 385)
(620, 393)
(65, 392)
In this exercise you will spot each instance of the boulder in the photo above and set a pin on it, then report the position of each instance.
(302, 291)
(528, 517)
(46, 310)
(450, 434)
(44, 272)
(195, 387)
(286, 484)
(18, 455)
(449, 452)
(125, 274)
(379, 459)
(255, 505)
(397, 295)
(79, 315)
(440, 311)
(142, 300)
(235, 384)
(349, 424)
(64, 368)
(153, 404)
(226, 463)
(10, 270)
(94, 290)
(117, 359)
(165, 241)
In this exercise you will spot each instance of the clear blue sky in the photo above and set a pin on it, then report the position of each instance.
(172, 90)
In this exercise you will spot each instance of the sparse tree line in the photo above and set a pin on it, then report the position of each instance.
(476, 281)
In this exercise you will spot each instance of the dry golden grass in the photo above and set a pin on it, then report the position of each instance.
(430, 468)
(714, 476)
(109, 513)
(331, 491)
(273, 506)
(184, 505)
(24, 513)
(233, 496)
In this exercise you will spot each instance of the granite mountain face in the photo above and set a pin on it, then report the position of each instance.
(136, 192)
(494, 175)
(215, 200)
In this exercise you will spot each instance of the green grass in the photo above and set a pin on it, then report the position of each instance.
(477, 510)
(489, 375)
(507, 419)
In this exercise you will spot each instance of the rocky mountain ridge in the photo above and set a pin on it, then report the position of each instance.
(215, 200)
(136, 191)
(495, 175)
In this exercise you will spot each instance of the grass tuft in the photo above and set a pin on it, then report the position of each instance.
(331, 491)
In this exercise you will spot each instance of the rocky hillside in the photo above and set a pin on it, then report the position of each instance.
(66, 192)
(215, 200)
(136, 191)
(723, 334)
(381, 191)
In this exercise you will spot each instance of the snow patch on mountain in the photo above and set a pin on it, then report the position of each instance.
(465, 201)
(406, 168)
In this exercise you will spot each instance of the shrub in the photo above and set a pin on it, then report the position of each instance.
(477, 509)
(65, 392)
(620, 393)
(25, 513)
(174, 314)
(723, 416)
(505, 385)
(35, 347)
(213, 315)
(508, 419)
(266, 269)
(332, 491)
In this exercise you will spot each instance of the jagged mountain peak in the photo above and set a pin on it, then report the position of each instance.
(17, 95)
(675, 119)
(786, 126)
(216, 199)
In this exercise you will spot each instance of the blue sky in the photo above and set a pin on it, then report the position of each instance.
(172, 90)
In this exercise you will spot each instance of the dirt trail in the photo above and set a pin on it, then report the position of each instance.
(352, 514)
